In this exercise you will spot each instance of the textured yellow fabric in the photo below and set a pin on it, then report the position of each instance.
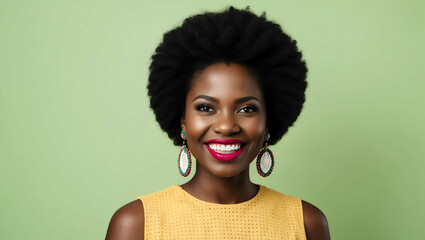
(174, 214)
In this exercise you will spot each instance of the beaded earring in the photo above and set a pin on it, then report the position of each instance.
(184, 162)
(265, 159)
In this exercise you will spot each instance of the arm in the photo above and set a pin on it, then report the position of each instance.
(315, 223)
(127, 223)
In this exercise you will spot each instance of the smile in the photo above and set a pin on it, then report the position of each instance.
(225, 149)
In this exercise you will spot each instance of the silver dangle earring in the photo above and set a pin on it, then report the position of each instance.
(184, 162)
(265, 159)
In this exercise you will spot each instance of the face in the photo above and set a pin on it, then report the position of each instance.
(225, 119)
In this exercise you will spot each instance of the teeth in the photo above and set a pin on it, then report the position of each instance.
(226, 148)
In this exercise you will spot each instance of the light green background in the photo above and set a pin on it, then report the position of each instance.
(78, 140)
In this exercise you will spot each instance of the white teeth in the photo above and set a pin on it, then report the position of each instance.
(226, 148)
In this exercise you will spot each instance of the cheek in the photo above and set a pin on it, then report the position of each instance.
(196, 126)
(254, 127)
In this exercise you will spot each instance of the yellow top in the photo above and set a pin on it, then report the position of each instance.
(175, 214)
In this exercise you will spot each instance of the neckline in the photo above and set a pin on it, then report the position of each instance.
(194, 199)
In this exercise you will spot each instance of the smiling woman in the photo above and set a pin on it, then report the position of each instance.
(224, 107)
(224, 85)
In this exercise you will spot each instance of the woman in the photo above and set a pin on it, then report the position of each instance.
(225, 86)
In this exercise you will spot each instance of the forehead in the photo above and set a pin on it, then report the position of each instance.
(227, 81)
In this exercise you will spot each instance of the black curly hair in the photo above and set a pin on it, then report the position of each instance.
(231, 36)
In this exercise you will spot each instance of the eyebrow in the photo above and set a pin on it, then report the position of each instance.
(245, 99)
(239, 100)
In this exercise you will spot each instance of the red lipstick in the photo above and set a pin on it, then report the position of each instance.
(225, 157)
(225, 141)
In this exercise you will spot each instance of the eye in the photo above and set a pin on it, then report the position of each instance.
(204, 108)
(248, 109)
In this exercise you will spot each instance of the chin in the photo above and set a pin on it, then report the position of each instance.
(227, 173)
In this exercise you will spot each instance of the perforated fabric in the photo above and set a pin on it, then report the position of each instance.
(174, 214)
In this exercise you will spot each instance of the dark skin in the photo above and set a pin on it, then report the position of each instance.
(224, 102)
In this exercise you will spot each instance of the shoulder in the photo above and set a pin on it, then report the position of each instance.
(315, 223)
(127, 222)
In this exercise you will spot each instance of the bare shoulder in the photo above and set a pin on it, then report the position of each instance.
(315, 223)
(127, 222)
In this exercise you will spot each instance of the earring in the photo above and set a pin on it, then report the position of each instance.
(265, 159)
(184, 162)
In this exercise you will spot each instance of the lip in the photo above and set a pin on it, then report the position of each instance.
(225, 141)
(222, 156)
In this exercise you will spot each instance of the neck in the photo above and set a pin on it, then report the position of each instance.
(224, 190)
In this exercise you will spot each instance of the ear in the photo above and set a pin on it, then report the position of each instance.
(183, 123)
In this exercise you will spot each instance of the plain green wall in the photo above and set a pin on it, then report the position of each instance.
(78, 140)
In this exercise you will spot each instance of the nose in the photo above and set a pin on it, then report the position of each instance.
(226, 124)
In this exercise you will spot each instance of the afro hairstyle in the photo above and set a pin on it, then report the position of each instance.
(231, 36)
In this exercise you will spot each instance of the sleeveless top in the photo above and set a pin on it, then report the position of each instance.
(175, 214)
